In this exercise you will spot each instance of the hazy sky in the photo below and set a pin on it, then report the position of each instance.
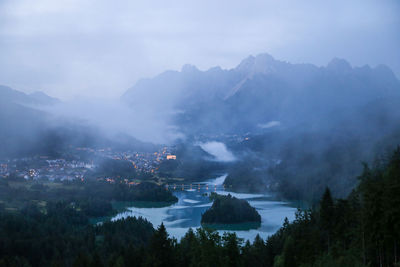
(69, 48)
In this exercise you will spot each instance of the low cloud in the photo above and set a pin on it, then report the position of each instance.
(269, 124)
(113, 117)
(218, 150)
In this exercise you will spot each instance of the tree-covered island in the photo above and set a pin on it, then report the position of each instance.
(229, 210)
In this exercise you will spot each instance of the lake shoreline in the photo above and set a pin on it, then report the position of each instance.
(186, 213)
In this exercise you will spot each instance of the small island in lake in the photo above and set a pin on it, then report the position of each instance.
(229, 213)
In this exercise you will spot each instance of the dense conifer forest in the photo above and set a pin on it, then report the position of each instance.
(360, 230)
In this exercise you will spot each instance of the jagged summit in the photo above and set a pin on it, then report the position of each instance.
(188, 68)
(262, 89)
(262, 63)
(385, 71)
(339, 65)
(246, 63)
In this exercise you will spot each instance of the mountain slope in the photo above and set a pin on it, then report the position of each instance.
(259, 90)
(306, 126)
(7, 94)
(28, 127)
(20, 125)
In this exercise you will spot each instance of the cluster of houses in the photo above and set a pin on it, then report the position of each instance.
(42, 167)
(142, 161)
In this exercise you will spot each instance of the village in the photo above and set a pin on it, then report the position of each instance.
(77, 167)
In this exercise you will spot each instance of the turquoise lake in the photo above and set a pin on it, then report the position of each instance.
(186, 213)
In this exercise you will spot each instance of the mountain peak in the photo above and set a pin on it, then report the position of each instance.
(264, 58)
(262, 63)
(36, 98)
(339, 65)
(246, 63)
(215, 69)
(187, 68)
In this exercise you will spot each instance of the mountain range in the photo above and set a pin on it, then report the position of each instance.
(318, 122)
(261, 91)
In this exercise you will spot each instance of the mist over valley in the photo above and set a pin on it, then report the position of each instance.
(274, 119)
(219, 133)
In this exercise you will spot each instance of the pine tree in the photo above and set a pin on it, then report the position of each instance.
(231, 249)
(161, 249)
(327, 214)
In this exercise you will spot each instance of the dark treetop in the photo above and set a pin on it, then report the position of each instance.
(228, 209)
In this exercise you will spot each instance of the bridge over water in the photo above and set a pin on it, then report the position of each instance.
(198, 187)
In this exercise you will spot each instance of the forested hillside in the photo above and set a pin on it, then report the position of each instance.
(360, 230)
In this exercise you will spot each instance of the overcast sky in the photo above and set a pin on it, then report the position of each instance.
(70, 48)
